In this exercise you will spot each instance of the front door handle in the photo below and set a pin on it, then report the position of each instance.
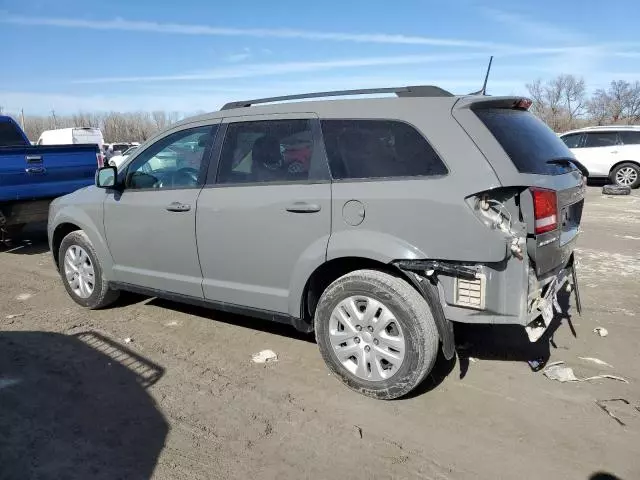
(303, 207)
(614, 151)
(178, 207)
(35, 170)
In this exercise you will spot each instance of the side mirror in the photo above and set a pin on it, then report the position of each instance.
(106, 177)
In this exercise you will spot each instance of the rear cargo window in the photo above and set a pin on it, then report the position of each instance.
(530, 144)
(378, 149)
(10, 136)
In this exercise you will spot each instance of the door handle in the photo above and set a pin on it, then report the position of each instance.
(35, 170)
(33, 158)
(303, 207)
(614, 151)
(178, 207)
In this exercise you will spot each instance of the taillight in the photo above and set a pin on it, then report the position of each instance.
(545, 207)
(100, 159)
(523, 104)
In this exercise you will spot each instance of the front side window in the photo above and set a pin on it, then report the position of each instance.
(630, 138)
(175, 161)
(359, 149)
(601, 139)
(266, 151)
(573, 141)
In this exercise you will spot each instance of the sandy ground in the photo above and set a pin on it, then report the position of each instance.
(153, 389)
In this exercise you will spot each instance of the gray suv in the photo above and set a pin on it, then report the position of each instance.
(374, 222)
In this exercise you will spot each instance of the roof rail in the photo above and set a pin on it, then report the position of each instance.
(414, 91)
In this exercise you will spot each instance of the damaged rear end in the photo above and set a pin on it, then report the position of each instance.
(537, 208)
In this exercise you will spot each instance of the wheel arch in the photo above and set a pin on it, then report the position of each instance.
(69, 221)
(617, 164)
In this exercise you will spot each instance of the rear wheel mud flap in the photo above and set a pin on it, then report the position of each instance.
(430, 293)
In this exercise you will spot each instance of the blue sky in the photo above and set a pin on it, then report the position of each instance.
(193, 55)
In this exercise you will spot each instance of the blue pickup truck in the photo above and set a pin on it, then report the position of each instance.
(31, 176)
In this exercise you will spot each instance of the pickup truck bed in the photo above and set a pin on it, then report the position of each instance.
(28, 173)
(31, 176)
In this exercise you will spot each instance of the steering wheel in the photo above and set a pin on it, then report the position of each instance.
(186, 176)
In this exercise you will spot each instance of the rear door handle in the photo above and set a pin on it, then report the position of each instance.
(614, 151)
(178, 207)
(33, 158)
(35, 170)
(303, 207)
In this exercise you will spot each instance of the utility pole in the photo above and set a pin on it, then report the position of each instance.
(55, 124)
(22, 118)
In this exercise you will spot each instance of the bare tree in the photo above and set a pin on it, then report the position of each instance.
(560, 101)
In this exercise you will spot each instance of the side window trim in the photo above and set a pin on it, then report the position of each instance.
(416, 130)
(319, 168)
(213, 129)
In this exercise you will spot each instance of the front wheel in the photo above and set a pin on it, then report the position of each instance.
(82, 274)
(627, 175)
(376, 333)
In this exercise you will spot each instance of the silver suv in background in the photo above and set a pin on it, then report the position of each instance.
(611, 152)
(373, 222)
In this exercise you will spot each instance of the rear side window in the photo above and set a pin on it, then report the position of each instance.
(530, 144)
(10, 135)
(630, 138)
(601, 139)
(378, 149)
(573, 141)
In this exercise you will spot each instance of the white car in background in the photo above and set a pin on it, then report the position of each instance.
(611, 152)
(116, 160)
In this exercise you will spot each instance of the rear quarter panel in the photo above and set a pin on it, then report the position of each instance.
(419, 217)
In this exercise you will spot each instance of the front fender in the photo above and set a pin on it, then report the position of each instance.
(72, 214)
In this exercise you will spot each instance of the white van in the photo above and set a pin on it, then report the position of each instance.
(69, 136)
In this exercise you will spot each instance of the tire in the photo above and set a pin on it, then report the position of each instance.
(100, 295)
(627, 175)
(411, 324)
(616, 190)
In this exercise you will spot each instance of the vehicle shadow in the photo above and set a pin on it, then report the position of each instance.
(509, 342)
(267, 326)
(32, 240)
(76, 407)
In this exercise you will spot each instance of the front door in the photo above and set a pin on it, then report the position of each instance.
(267, 215)
(150, 225)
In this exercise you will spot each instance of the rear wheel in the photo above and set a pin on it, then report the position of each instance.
(376, 333)
(82, 273)
(627, 175)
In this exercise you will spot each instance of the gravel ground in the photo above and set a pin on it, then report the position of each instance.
(154, 389)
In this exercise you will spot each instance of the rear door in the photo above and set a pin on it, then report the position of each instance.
(601, 152)
(267, 216)
(526, 154)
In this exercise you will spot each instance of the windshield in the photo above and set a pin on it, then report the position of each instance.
(532, 146)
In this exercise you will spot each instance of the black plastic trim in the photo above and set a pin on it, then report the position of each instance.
(297, 323)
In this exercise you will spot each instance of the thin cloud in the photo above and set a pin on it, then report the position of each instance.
(269, 69)
(120, 24)
(273, 69)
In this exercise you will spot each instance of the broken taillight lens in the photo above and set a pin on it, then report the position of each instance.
(545, 207)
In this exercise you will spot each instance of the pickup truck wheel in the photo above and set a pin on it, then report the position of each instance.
(626, 175)
(82, 274)
(376, 333)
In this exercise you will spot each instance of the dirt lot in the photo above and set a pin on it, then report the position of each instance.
(153, 389)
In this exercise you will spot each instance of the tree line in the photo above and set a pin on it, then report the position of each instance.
(562, 102)
(115, 127)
